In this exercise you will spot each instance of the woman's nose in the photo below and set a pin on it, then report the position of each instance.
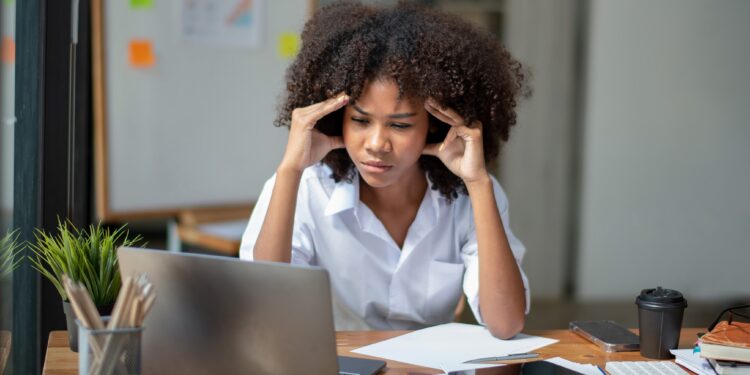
(377, 141)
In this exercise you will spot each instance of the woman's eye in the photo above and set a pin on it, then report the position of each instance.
(360, 120)
(401, 126)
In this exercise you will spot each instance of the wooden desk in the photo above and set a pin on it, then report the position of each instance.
(5, 343)
(61, 360)
(202, 227)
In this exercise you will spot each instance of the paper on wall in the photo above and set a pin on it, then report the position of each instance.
(237, 23)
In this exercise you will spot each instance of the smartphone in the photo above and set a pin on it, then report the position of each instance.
(528, 368)
(610, 336)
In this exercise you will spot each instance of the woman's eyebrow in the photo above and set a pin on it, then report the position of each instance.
(395, 115)
(402, 115)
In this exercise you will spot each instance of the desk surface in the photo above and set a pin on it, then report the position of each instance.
(61, 360)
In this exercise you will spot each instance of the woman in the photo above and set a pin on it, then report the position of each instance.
(404, 106)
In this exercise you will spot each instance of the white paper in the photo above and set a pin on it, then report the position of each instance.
(583, 368)
(447, 346)
(692, 361)
(223, 22)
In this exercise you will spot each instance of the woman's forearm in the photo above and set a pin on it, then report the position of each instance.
(501, 292)
(275, 239)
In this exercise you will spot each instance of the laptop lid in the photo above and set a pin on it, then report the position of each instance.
(219, 315)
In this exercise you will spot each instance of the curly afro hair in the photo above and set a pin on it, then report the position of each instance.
(426, 53)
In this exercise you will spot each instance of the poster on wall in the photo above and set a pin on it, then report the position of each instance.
(234, 23)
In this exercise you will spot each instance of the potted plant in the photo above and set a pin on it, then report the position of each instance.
(88, 256)
(10, 258)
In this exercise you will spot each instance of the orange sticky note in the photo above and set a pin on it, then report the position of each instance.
(142, 53)
(8, 50)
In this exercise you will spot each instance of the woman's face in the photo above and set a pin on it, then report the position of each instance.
(384, 136)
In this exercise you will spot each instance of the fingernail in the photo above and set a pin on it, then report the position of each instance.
(441, 146)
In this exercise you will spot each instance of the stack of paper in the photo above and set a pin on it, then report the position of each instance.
(447, 346)
(692, 361)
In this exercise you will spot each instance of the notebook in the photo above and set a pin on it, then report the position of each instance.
(726, 341)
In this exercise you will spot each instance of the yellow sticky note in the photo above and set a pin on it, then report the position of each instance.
(141, 4)
(288, 45)
(8, 52)
(141, 53)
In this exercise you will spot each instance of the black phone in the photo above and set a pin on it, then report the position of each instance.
(610, 336)
(528, 368)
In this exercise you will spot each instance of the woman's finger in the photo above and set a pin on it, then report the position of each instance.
(328, 106)
(328, 103)
(455, 118)
(439, 115)
(315, 106)
(448, 138)
(312, 113)
(467, 133)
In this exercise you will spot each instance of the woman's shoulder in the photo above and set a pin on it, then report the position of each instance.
(316, 180)
(318, 173)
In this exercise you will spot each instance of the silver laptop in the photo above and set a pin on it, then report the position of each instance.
(219, 315)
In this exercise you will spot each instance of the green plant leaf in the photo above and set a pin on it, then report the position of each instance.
(85, 255)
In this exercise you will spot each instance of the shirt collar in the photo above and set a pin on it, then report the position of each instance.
(345, 196)
(435, 198)
(435, 194)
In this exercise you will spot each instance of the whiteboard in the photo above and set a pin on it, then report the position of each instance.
(195, 127)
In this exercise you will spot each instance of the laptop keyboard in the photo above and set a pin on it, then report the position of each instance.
(644, 367)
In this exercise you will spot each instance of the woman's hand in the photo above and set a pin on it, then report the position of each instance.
(307, 145)
(462, 150)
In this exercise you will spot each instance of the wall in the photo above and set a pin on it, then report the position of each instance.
(538, 164)
(666, 170)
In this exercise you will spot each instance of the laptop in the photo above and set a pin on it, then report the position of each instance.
(219, 315)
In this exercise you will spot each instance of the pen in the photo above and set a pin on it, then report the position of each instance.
(504, 357)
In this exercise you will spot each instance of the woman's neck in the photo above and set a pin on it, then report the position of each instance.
(407, 192)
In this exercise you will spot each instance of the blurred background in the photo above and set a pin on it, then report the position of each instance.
(629, 167)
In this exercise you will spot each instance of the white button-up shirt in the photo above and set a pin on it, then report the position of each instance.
(374, 283)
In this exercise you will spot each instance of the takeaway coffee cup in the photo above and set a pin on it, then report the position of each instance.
(659, 320)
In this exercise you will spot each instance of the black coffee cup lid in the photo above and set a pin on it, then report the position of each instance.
(660, 298)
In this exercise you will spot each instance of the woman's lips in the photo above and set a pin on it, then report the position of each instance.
(376, 167)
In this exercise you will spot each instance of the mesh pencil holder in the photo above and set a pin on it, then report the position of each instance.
(109, 351)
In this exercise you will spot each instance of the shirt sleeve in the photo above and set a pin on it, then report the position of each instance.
(469, 254)
(303, 250)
